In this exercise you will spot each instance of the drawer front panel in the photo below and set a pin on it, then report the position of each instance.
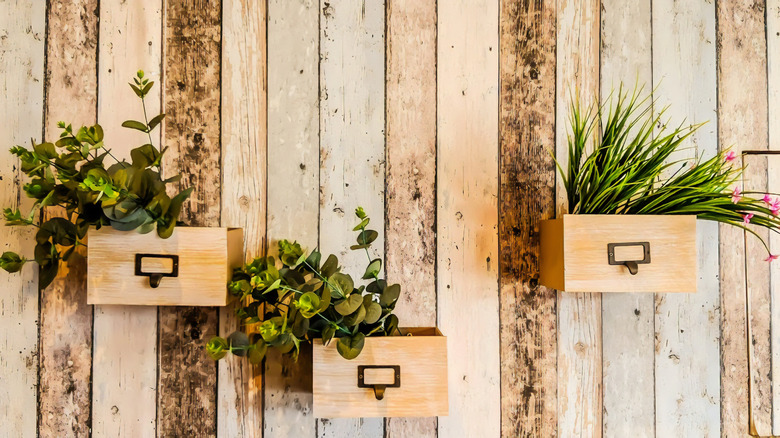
(122, 266)
(422, 383)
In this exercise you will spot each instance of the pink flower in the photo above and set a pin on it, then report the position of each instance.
(771, 258)
(747, 217)
(768, 199)
(736, 195)
(775, 209)
(731, 156)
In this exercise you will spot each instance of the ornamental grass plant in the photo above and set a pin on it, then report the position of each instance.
(623, 159)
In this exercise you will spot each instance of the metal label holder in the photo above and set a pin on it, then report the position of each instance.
(379, 389)
(632, 265)
(156, 277)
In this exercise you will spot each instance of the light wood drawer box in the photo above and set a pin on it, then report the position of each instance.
(586, 253)
(421, 361)
(203, 257)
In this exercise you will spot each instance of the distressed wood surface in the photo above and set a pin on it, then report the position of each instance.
(773, 181)
(187, 383)
(22, 47)
(467, 213)
(526, 196)
(628, 319)
(686, 372)
(410, 203)
(244, 160)
(124, 353)
(579, 315)
(65, 318)
(293, 195)
(742, 124)
(352, 149)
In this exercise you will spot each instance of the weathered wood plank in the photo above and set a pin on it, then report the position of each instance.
(21, 109)
(244, 109)
(124, 362)
(352, 168)
(191, 98)
(686, 375)
(773, 93)
(526, 196)
(66, 319)
(579, 315)
(628, 320)
(410, 226)
(293, 206)
(467, 213)
(742, 122)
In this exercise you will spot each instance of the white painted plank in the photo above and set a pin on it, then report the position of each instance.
(687, 325)
(22, 35)
(467, 213)
(773, 94)
(244, 136)
(293, 192)
(125, 337)
(627, 319)
(579, 315)
(352, 166)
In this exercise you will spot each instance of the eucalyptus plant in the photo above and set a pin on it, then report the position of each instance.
(295, 298)
(71, 173)
(622, 159)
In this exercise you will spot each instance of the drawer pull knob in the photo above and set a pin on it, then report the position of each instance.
(379, 388)
(156, 277)
(632, 265)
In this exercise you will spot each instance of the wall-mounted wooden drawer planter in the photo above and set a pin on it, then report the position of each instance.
(619, 253)
(191, 268)
(394, 376)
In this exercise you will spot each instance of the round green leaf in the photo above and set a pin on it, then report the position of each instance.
(349, 304)
(217, 348)
(349, 347)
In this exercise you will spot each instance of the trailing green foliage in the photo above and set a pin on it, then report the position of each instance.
(633, 167)
(296, 298)
(71, 173)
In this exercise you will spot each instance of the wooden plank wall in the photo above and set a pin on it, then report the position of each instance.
(438, 117)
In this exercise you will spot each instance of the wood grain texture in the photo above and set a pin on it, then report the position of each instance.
(687, 382)
(244, 163)
(422, 375)
(293, 195)
(191, 97)
(582, 243)
(526, 195)
(742, 123)
(22, 49)
(124, 356)
(65, 318)
(579, 315)
(627, 319)
(352, 150)
(773, 181)
(206, 259)
(467, 212)
(410, 203)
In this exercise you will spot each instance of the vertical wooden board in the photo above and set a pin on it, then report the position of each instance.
(124, 361)
(187, 382)
(410, 227)
(627, 319)
(352, 151)
(687, 325)
(467, 213)
(65, 317)
(742, 122)
(773, 93)
(21, 110)
(244, 116)
(579, 315)
(293, 195)
(526, 196)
